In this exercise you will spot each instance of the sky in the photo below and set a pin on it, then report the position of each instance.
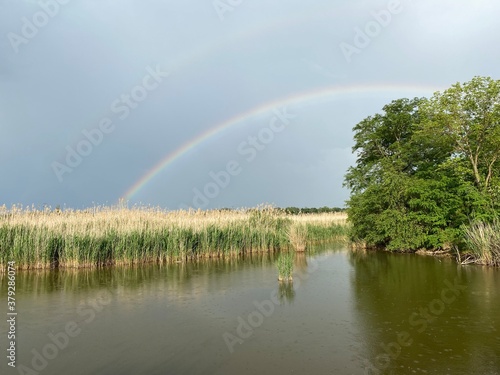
(209, 104)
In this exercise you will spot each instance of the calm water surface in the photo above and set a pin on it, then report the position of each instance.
(346, 313)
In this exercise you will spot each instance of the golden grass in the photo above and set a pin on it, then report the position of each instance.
(483, 240)
(116, 235)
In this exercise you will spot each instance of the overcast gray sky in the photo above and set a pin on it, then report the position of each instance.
(95, 93)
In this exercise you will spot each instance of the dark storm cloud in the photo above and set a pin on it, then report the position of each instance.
(66, 66)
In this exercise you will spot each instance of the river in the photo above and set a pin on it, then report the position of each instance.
(345, 313)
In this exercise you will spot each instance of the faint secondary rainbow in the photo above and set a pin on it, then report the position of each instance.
(304, 98)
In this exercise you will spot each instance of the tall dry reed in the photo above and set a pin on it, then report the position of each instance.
(100, 236)
(483, 241)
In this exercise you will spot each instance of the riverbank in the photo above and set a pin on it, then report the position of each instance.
(41, 239)
(480, 246)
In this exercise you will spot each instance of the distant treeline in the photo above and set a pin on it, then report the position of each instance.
(285, 210)
(306, 210)
(311, 210)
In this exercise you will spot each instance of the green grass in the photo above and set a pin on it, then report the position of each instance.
(284, 263)
(335, 231)
(106, 236)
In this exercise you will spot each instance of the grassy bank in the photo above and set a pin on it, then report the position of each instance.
(104, 236)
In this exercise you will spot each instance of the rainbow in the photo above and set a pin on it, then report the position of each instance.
(303, 98)
(206, 49)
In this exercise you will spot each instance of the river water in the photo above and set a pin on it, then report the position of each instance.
(345, 313)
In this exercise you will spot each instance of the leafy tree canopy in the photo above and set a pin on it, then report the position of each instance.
(425, 167)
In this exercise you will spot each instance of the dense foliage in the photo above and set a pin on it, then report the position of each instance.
(426, 168)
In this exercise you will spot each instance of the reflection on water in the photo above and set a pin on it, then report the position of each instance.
(300, 263)
(286, 293)
(345, 313)
(449, 313)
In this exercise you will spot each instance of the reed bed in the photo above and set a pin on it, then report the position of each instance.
(483, 241)
(40, 239)
(298, 236)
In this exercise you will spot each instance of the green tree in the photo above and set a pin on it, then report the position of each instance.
(469, 115)
(380, 180)
(426, 167)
